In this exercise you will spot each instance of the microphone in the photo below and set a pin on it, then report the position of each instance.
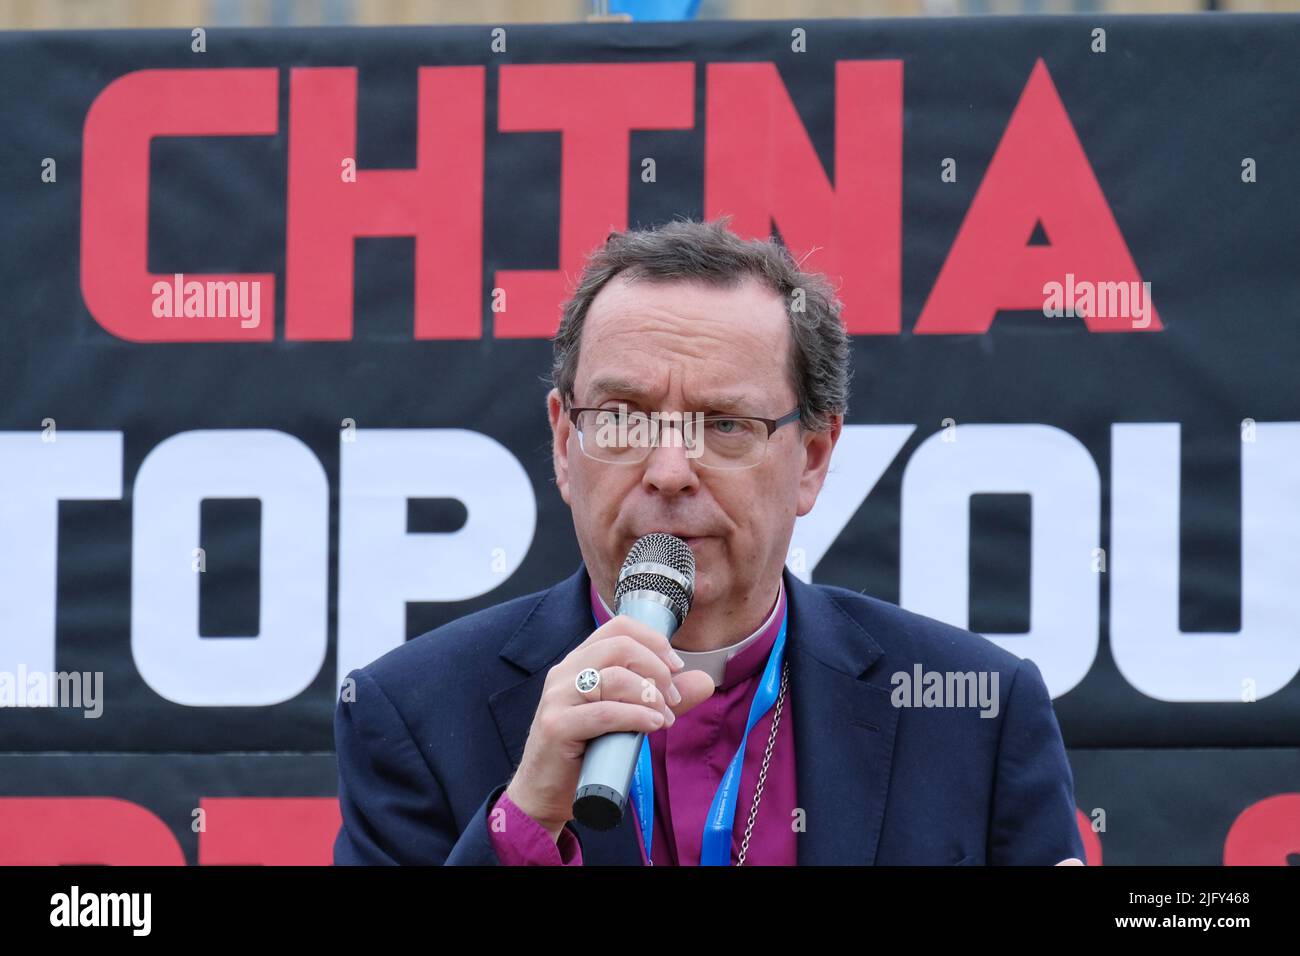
(656, 587)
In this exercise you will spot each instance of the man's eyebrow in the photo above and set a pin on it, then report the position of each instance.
(614, 385)
(735, 403)
(732, 403)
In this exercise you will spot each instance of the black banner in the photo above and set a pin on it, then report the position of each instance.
(274, 325)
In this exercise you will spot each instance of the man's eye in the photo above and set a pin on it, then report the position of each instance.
(725, 426)
(622, 417)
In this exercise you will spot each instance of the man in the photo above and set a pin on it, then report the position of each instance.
(465, 745)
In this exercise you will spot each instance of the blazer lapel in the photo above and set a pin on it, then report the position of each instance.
(844, 730)
(559, 623)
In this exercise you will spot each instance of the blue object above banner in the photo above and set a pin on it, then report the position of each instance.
(643, 10)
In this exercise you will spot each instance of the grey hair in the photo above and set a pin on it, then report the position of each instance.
(709, 252)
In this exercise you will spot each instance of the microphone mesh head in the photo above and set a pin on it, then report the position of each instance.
(664, 549)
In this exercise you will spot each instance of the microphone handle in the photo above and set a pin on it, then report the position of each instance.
(610, 759)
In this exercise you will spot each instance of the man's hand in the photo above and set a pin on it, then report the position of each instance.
(638, 692)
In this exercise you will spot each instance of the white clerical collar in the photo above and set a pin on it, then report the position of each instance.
(714, 662)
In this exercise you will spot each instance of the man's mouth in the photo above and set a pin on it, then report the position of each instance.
(688, 538)
(693, 541)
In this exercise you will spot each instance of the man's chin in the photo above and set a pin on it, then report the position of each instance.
(705, 590)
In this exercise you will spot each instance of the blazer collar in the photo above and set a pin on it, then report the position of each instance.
(844, 723)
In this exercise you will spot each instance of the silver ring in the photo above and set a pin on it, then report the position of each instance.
(587, 680)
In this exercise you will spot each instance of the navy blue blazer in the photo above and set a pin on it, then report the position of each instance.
(435, 729)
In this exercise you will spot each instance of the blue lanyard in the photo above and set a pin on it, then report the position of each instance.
(715, 848)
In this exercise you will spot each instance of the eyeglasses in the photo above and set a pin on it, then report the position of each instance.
(620, 436)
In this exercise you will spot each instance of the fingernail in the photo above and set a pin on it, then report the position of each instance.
(674, 694)
(672, 718)
(677, 661)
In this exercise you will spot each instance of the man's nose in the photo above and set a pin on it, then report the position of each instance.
(669, 469)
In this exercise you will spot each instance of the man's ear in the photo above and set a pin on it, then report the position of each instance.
(561, 429)
(817, 459)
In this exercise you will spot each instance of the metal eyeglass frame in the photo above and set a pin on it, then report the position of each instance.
(772, 424)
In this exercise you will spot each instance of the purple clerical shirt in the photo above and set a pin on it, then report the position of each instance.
(688, 761)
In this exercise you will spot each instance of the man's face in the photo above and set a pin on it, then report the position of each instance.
(691, 347)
